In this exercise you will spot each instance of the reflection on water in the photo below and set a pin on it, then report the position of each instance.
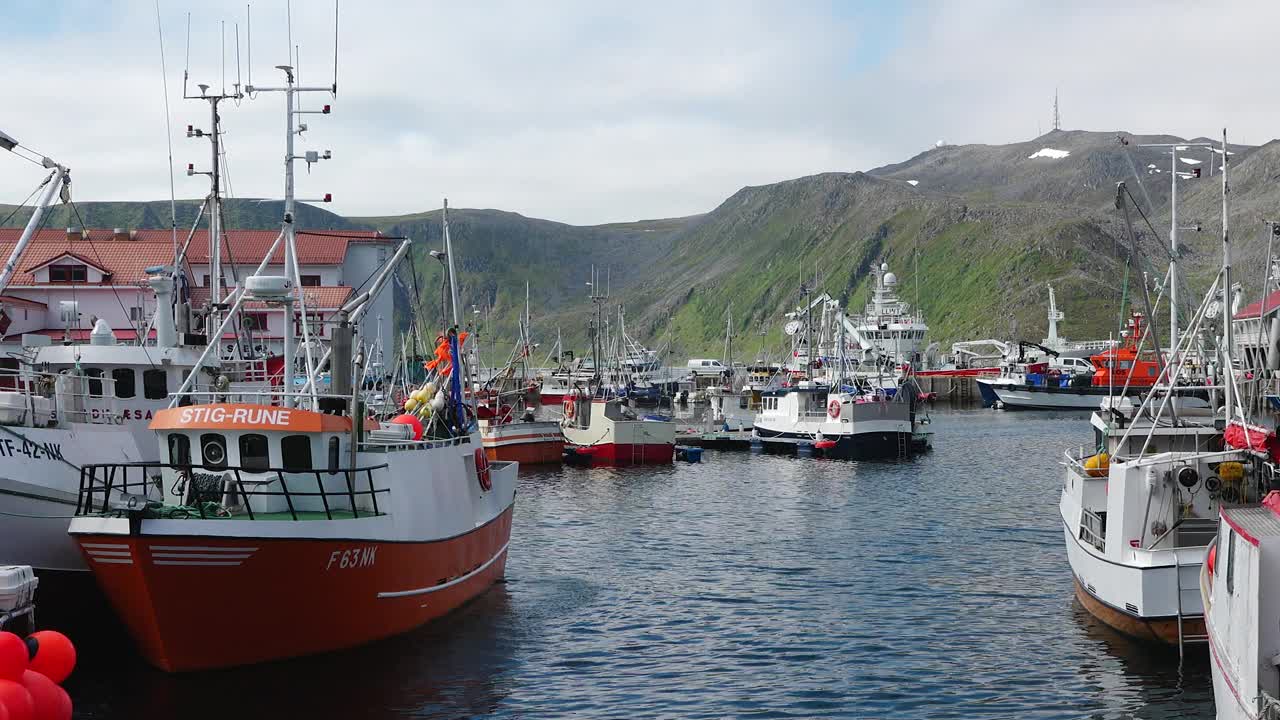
(744, 586)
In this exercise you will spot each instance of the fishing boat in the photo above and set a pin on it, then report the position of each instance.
(849, 425)
(1140, 508)
(1238, 586)
(295, 494)
(63, 406)
(604, 429)
(1120, 371)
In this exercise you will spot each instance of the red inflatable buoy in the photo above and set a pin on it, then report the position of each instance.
(412, 421)
(482, 469)
(13, 656)
(17, 700)
(1213, 556)
(51, 702)
(52, 654)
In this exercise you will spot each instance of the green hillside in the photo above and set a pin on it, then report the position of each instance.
(973, 232)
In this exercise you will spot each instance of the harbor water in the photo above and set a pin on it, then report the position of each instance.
(743, 586)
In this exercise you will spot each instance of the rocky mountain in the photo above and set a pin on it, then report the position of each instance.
(974, 233)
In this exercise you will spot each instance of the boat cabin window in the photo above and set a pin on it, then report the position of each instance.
(179, 449)
(1231, 561)
(125, 381)
(213, 449)
(295, 452)
(333, 455)
(95, 381)
(254, 454)
(155, 384)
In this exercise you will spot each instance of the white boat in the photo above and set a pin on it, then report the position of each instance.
(1239, 588)
(808, 416)
(609, 432)
(889, 327)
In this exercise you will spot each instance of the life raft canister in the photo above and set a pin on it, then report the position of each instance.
(482, 469)
(833, 409)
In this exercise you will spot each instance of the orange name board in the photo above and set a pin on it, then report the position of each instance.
(246, 417)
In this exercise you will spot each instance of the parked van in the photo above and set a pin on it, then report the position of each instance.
(702, 366)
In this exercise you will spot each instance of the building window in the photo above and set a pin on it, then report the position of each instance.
(68, 273)
(315, 325)
(213, 448)
(95, 381)
(155, 384)
(137, 314)
(253, 452)
(295, 452)
(310, 281)
(125, 382)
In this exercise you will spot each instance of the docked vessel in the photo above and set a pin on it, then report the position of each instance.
(600, 428)
(295, 494)
(1239, 585)
(848, 425)
(1118, 371)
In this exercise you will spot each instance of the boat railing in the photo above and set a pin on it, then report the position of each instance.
(257, 395)
(1093, 529)
(219, 492)
(65, 396)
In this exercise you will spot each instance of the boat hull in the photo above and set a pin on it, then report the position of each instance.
(872, 445)
(204, 602)
(528, 443)
(1160, 630)
(623, 453)
(1034, 397)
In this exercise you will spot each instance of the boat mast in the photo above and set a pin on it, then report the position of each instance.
(1173, 252)
(1227, 335)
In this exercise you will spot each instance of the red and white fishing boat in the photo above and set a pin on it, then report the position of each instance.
(305, 525)
(525, 440)
(610, 432)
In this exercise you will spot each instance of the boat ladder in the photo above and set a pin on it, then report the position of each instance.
(1183, 637)
(904, 444)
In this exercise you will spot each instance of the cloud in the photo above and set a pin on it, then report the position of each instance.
(586, 112)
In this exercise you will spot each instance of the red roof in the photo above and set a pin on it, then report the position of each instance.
(12, 301)
(325, 297)
(1254, 310)
(124, 259)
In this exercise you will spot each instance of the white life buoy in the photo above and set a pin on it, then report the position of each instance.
(833, 409)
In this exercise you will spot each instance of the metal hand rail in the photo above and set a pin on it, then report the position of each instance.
(100, 481)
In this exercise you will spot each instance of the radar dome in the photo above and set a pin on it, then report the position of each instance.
(940, 143)
(890, 279)
(884, 267)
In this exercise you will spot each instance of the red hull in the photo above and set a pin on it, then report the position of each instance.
(196, 603)
(528, 453)
(628, 454)
(551, 398)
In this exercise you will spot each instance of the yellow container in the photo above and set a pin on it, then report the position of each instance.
(1231, 471)
(1097, 465)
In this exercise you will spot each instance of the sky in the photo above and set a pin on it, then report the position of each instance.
(595, 112)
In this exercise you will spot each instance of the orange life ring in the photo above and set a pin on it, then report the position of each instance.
(482, 470)
(833, 409)
(569, 407)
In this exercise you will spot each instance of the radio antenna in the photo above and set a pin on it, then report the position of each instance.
(297, 70)
(224, 57)
(248, 19)
(335, 48)
(238, 85)
(288, 48)
(187, 65)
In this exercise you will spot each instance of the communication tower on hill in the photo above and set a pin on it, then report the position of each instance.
(1057, 120)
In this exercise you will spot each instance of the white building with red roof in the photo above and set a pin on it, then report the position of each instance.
(69, 279)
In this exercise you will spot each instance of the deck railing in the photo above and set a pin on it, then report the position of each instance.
(205, 491)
